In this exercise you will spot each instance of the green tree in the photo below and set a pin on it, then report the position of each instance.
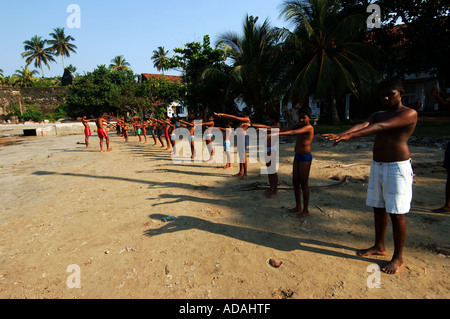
(61, 45)
(24, 77)
(420, 44)
(36, 51)
(326, 59)
(119, 63)
(98, 92)
(193, 60)
(160, 59)
(156, 93)
(258, 64)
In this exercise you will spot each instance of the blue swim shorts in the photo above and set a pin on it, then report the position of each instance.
(303, 157)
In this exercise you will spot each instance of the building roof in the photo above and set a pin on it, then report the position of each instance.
(173, 78)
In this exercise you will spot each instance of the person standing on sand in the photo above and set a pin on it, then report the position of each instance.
(208, 138)
(87, 129)
(243, 139)
(271, 152)
(102, 133)
(191, 126)
(391, 175)
(444, 106)
(125, 130)
(226, 142)
(302, 160)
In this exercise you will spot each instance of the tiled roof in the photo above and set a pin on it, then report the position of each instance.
(172, 78)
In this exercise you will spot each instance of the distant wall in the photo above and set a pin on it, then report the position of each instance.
(46, 98)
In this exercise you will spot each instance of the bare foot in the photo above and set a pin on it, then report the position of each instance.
(441, 210)
(371, 251)
(226, 167)
(238, 175)
(393, 267)
(303, 214)
(270, 193)
(294, 210)
(109, 149)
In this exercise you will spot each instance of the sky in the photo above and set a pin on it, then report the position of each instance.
(133, 28)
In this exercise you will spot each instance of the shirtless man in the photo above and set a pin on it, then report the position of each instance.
(125, 130)
(152, 126)
(87, 129)
(208, 138)
(390, 183)
(102, 133)
(302, 160)
(271, 152)
(242, 145)
(444, 105)
(191, 126)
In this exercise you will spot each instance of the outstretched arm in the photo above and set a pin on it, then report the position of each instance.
(233, 117)
(296, 131)
(442, 103)
(185, 123)
(261, 126)
(370, 127)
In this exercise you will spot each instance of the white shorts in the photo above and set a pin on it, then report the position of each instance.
(226, 145)
(390, 186)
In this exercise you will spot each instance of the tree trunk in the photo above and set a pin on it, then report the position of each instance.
(333, 108)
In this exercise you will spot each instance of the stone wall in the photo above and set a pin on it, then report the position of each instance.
(8, 97)
(46, 97)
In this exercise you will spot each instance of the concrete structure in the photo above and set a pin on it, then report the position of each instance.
(44, 129)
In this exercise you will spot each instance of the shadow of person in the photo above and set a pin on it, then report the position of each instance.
(258, 237)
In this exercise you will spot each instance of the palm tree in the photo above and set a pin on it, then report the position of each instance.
(258, 63)
(61, 44)
(35, 50)
(326, 60)
(119, 64)
(24, 77)
(160, 59)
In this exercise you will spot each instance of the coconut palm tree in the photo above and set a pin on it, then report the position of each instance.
(119, 64)
(24, 77)
(160, 59)
(326, 61)
(61, 44)
(258, 63)
(35, 50)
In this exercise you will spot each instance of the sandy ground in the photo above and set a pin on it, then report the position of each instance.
(62, 205)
